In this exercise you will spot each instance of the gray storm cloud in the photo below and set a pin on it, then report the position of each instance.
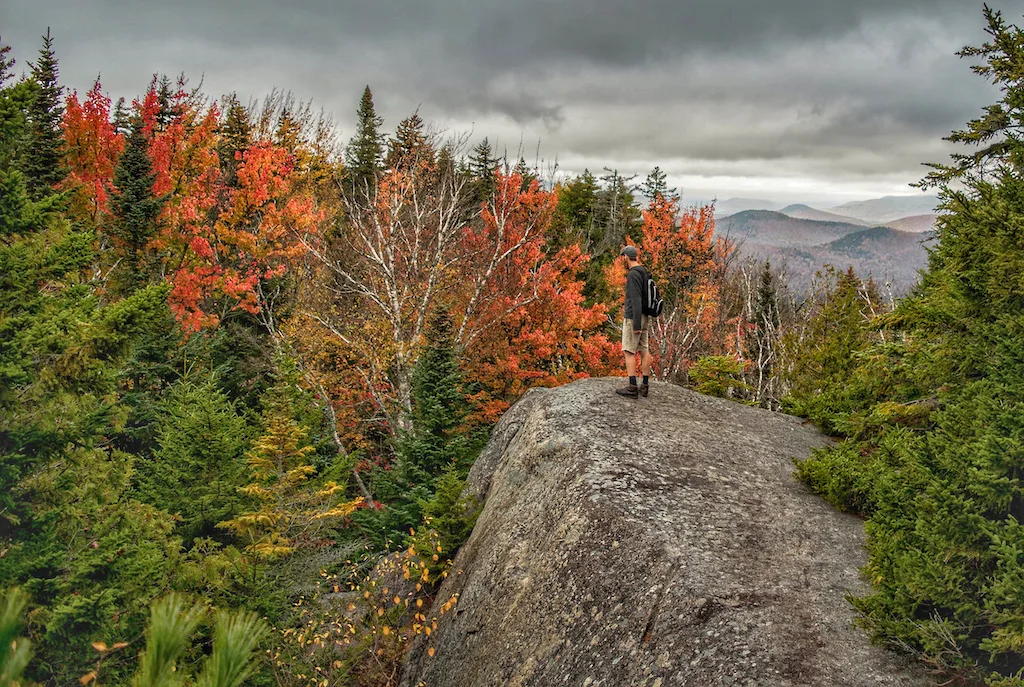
(857, 92)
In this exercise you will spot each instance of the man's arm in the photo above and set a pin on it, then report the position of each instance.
(634, 292)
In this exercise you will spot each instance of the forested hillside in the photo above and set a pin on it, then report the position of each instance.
(247, 361)
(244, 361)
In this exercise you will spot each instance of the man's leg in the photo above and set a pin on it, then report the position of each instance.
(631, 390)
(630, 363)
(645, 363)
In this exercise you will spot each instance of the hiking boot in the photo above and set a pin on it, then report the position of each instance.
(629, 391)
(644, 388)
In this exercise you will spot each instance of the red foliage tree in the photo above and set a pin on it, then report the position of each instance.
(92, 146)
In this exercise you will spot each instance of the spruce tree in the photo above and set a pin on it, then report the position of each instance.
(44, 156)
(409, 147)
(165, 98)
(6, 64)
(235, 138)
(524, 171)
(436, 446)
(198, 466)
(122, 118)
(655, 185)
(482, 166)
(365, 151)
(136, 211)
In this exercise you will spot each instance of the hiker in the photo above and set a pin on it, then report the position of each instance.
(635, 326)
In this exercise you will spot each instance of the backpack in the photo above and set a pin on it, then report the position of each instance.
(652, 302)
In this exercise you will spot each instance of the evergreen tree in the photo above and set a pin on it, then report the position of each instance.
(656, 186)
(6, 64)
(198, 465)
(364, 155)
(934, 415)
(575, 216)
(409, 147)
(437, 445)
(122, 118)
(136, 211)
(617, 214)
(527, 174)
(165, 98)
(235, 138)
(44, 157)
(482, 166)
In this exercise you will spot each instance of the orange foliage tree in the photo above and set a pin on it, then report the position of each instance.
(220, 243)
(524, 320)
(92, 146)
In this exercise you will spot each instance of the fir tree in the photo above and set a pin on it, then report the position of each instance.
(235, 138)
(527, 174)
(165, 98)
(122, 118)
(656, 186)
(44, 156)
(136, 211)
(6, 64)
(198, 466)
(437, 445)
(482, 166)
(409, 147)
(365, 152)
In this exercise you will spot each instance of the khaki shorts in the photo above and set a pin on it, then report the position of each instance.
(633, 342)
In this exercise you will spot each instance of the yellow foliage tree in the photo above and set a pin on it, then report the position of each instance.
(289, 513)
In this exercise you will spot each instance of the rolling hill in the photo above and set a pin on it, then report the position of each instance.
(916, 224)
(764, 227)
(803, 246)
(807, 212)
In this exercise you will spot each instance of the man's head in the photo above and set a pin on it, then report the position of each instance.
(630, 253)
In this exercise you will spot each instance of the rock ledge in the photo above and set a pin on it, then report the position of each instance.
(652, 543)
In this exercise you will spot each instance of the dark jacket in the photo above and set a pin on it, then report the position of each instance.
(636, 282)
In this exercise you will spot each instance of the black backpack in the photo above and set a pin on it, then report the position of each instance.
(652, 302)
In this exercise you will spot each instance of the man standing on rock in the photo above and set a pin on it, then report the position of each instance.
(635, 326)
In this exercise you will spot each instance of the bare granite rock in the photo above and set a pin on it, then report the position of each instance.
(655, 542)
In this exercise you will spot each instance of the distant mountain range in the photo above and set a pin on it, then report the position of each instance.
(889, 208)
(804, 245)
(807, 212)
(874, 212)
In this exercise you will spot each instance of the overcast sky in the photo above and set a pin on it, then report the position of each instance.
(791, 100)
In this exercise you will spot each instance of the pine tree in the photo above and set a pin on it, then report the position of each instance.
(482, 165)
(44, 158)
(198, 465)
(235, 138)
(136, 212)
(365, 152)
(6, 64)
(656, 186)
(409, 148)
